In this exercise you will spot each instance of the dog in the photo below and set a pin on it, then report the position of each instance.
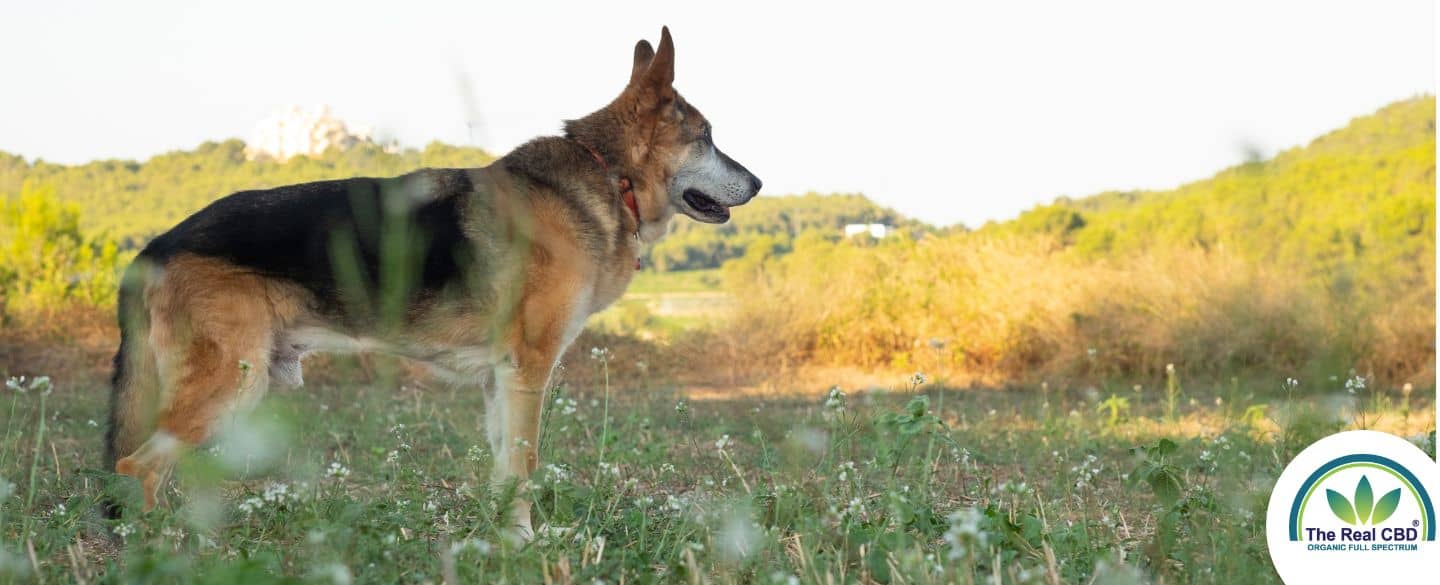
(485, 275)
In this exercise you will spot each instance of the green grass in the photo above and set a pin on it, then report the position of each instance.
(384, 483)
(688, 281)
(665, 304)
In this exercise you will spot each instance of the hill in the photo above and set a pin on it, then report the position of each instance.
(1355, 204)
(133, 201)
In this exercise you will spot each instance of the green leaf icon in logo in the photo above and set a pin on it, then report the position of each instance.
(1364, 500)
(1386, 506)
(1340, 506)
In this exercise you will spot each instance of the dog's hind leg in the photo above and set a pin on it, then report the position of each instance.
(212, 332)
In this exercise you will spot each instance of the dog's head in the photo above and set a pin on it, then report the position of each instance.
(671, 146)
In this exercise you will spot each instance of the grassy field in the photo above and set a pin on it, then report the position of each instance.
(666, 304)
(685, 281)
(384, 482)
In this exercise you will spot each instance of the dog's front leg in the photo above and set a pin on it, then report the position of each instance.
(513, 427)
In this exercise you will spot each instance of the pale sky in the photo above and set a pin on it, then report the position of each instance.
(972, 113)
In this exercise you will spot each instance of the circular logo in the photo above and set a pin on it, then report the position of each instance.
(1354, 505)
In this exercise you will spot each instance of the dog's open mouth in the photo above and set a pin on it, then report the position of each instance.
(706, 209)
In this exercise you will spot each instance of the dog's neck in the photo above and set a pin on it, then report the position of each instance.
(626, 188)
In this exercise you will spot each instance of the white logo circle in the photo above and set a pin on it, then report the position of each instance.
(1355, 505)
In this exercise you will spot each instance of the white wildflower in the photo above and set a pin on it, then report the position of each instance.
(337, 470)
(1355, 384)
(965, 535)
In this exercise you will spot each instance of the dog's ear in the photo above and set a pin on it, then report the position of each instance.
(652, 84)
(643, 54)
(661, 72)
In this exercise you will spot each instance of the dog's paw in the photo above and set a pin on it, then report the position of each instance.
(520, 533)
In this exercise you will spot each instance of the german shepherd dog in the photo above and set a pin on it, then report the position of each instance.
(484, 275)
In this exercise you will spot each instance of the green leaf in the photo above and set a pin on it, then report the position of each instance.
(1165, 483)
(1386, 506)
(1364, 500)
(1340, 506)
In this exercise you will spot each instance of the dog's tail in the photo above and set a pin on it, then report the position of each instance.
(135, 384)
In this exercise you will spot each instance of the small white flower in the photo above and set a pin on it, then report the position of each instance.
(556, 474)
(91, 423)
(337, 471)
(722, 443)
(610, 468)
(251, 505)
(676, 503)
(1355, 384)
(965, 534)
(279, 493)
(918, 379)
(124, 529)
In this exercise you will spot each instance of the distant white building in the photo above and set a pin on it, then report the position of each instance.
(876, 230)
(297, 131)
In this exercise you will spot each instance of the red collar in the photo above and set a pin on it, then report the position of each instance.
(627, 191)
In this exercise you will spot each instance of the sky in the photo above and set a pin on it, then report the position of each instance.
(968, 113)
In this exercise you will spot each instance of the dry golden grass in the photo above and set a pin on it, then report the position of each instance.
(1016, 309)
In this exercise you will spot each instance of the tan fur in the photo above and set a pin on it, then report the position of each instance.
(212, 329)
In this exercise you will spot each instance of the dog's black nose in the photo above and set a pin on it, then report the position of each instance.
(755, 184)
